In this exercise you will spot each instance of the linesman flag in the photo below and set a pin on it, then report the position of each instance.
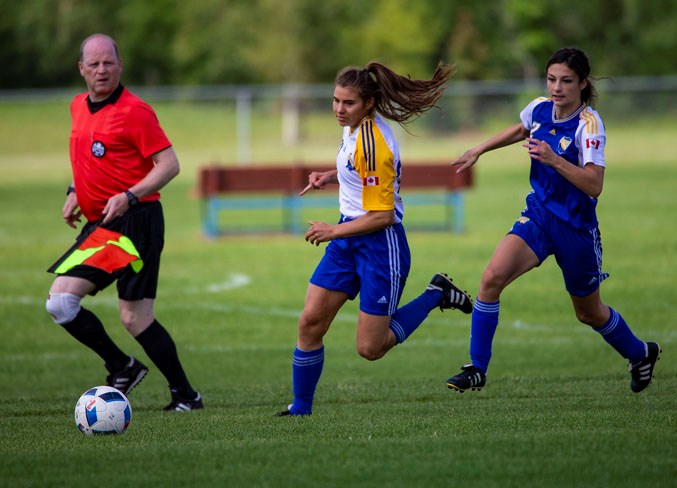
(104, 249)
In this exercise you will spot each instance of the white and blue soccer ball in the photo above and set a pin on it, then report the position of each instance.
(103, 410)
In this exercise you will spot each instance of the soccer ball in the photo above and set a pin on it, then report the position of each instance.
(103, 410)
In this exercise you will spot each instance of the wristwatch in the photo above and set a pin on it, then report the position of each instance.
(131, 198)
(71, 189)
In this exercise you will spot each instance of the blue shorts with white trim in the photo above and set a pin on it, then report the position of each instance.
(374, 265)
(578, 251)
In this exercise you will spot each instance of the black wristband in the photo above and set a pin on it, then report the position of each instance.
(131, 198)
(71, 189)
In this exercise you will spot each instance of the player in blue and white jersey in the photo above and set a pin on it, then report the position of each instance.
(565, 140)
(367, 252)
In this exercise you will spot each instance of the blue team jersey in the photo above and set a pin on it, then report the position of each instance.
(580, 139)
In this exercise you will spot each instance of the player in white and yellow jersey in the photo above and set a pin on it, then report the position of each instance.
(369, 170)
(367, 251)
(565, 139)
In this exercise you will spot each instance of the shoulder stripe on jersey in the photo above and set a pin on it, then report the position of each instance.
(591, 122)
(365, 140)
(373, 145)
(367, 132)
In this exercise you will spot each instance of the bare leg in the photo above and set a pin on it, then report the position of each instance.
(374, 337)
(511, 259)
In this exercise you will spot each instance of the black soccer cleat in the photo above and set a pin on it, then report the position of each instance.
(287, 413)
(182, 404)
(642, 372)
(469, 378)
(128, 377)
(452, 297)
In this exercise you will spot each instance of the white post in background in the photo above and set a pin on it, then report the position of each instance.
(291, 115)
(243, 107)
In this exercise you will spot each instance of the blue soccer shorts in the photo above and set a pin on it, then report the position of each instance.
(374, 265)
(578, 251)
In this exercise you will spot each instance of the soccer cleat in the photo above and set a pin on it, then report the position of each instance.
(128, 377)
(469, 378)
(284, 413)
(642, 372)
(181, 404)
(287, 413)
(452, 297)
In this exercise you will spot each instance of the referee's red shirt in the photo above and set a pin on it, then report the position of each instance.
(111, 150)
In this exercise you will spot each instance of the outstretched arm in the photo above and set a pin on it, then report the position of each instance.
(508, 136)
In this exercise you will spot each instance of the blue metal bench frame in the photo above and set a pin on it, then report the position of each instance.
(293, 205)
(239, 197)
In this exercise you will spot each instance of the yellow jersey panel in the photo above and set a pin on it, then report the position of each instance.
(369, 169)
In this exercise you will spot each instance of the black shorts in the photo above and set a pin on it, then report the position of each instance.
(144, 224)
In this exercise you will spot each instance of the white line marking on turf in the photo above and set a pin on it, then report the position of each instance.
(111, 301)
(235, 280)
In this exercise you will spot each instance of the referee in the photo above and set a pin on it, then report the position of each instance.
(120, 159)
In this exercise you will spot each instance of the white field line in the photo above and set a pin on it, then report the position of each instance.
(235, 280)
(449, 318)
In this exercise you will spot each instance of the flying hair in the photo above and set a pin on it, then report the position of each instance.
(396, 97)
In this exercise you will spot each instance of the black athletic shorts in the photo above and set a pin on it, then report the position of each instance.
(144, 224)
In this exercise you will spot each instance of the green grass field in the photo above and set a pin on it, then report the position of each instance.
(557, 410)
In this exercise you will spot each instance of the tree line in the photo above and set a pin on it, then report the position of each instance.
(173, 42)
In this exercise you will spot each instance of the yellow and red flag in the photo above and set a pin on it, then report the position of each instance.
(104, 249)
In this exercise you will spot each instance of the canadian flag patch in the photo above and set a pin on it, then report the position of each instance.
(370, 181)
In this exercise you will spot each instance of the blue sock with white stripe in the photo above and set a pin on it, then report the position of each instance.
(306, 371)
(407, 318)
(482, 330)
(617, 333)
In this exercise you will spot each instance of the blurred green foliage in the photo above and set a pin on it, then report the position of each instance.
(166, 42)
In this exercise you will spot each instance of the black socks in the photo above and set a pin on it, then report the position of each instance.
(88, 329)
(160, 348)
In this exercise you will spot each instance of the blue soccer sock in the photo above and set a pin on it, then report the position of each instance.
(306, 371)
(617, 333)
(482, 330)
(407, 318)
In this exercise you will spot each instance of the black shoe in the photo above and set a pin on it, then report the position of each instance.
(128, 377)
(642, 372)
(287, 413)
(452, 297)
(181, 404)
(469, 378)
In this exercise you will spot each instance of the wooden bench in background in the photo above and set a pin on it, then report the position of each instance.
(238, 188)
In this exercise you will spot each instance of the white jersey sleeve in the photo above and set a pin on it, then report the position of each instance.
(527, 113)
(590, 138)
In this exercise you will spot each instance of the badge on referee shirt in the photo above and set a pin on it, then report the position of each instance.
(98, 149)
